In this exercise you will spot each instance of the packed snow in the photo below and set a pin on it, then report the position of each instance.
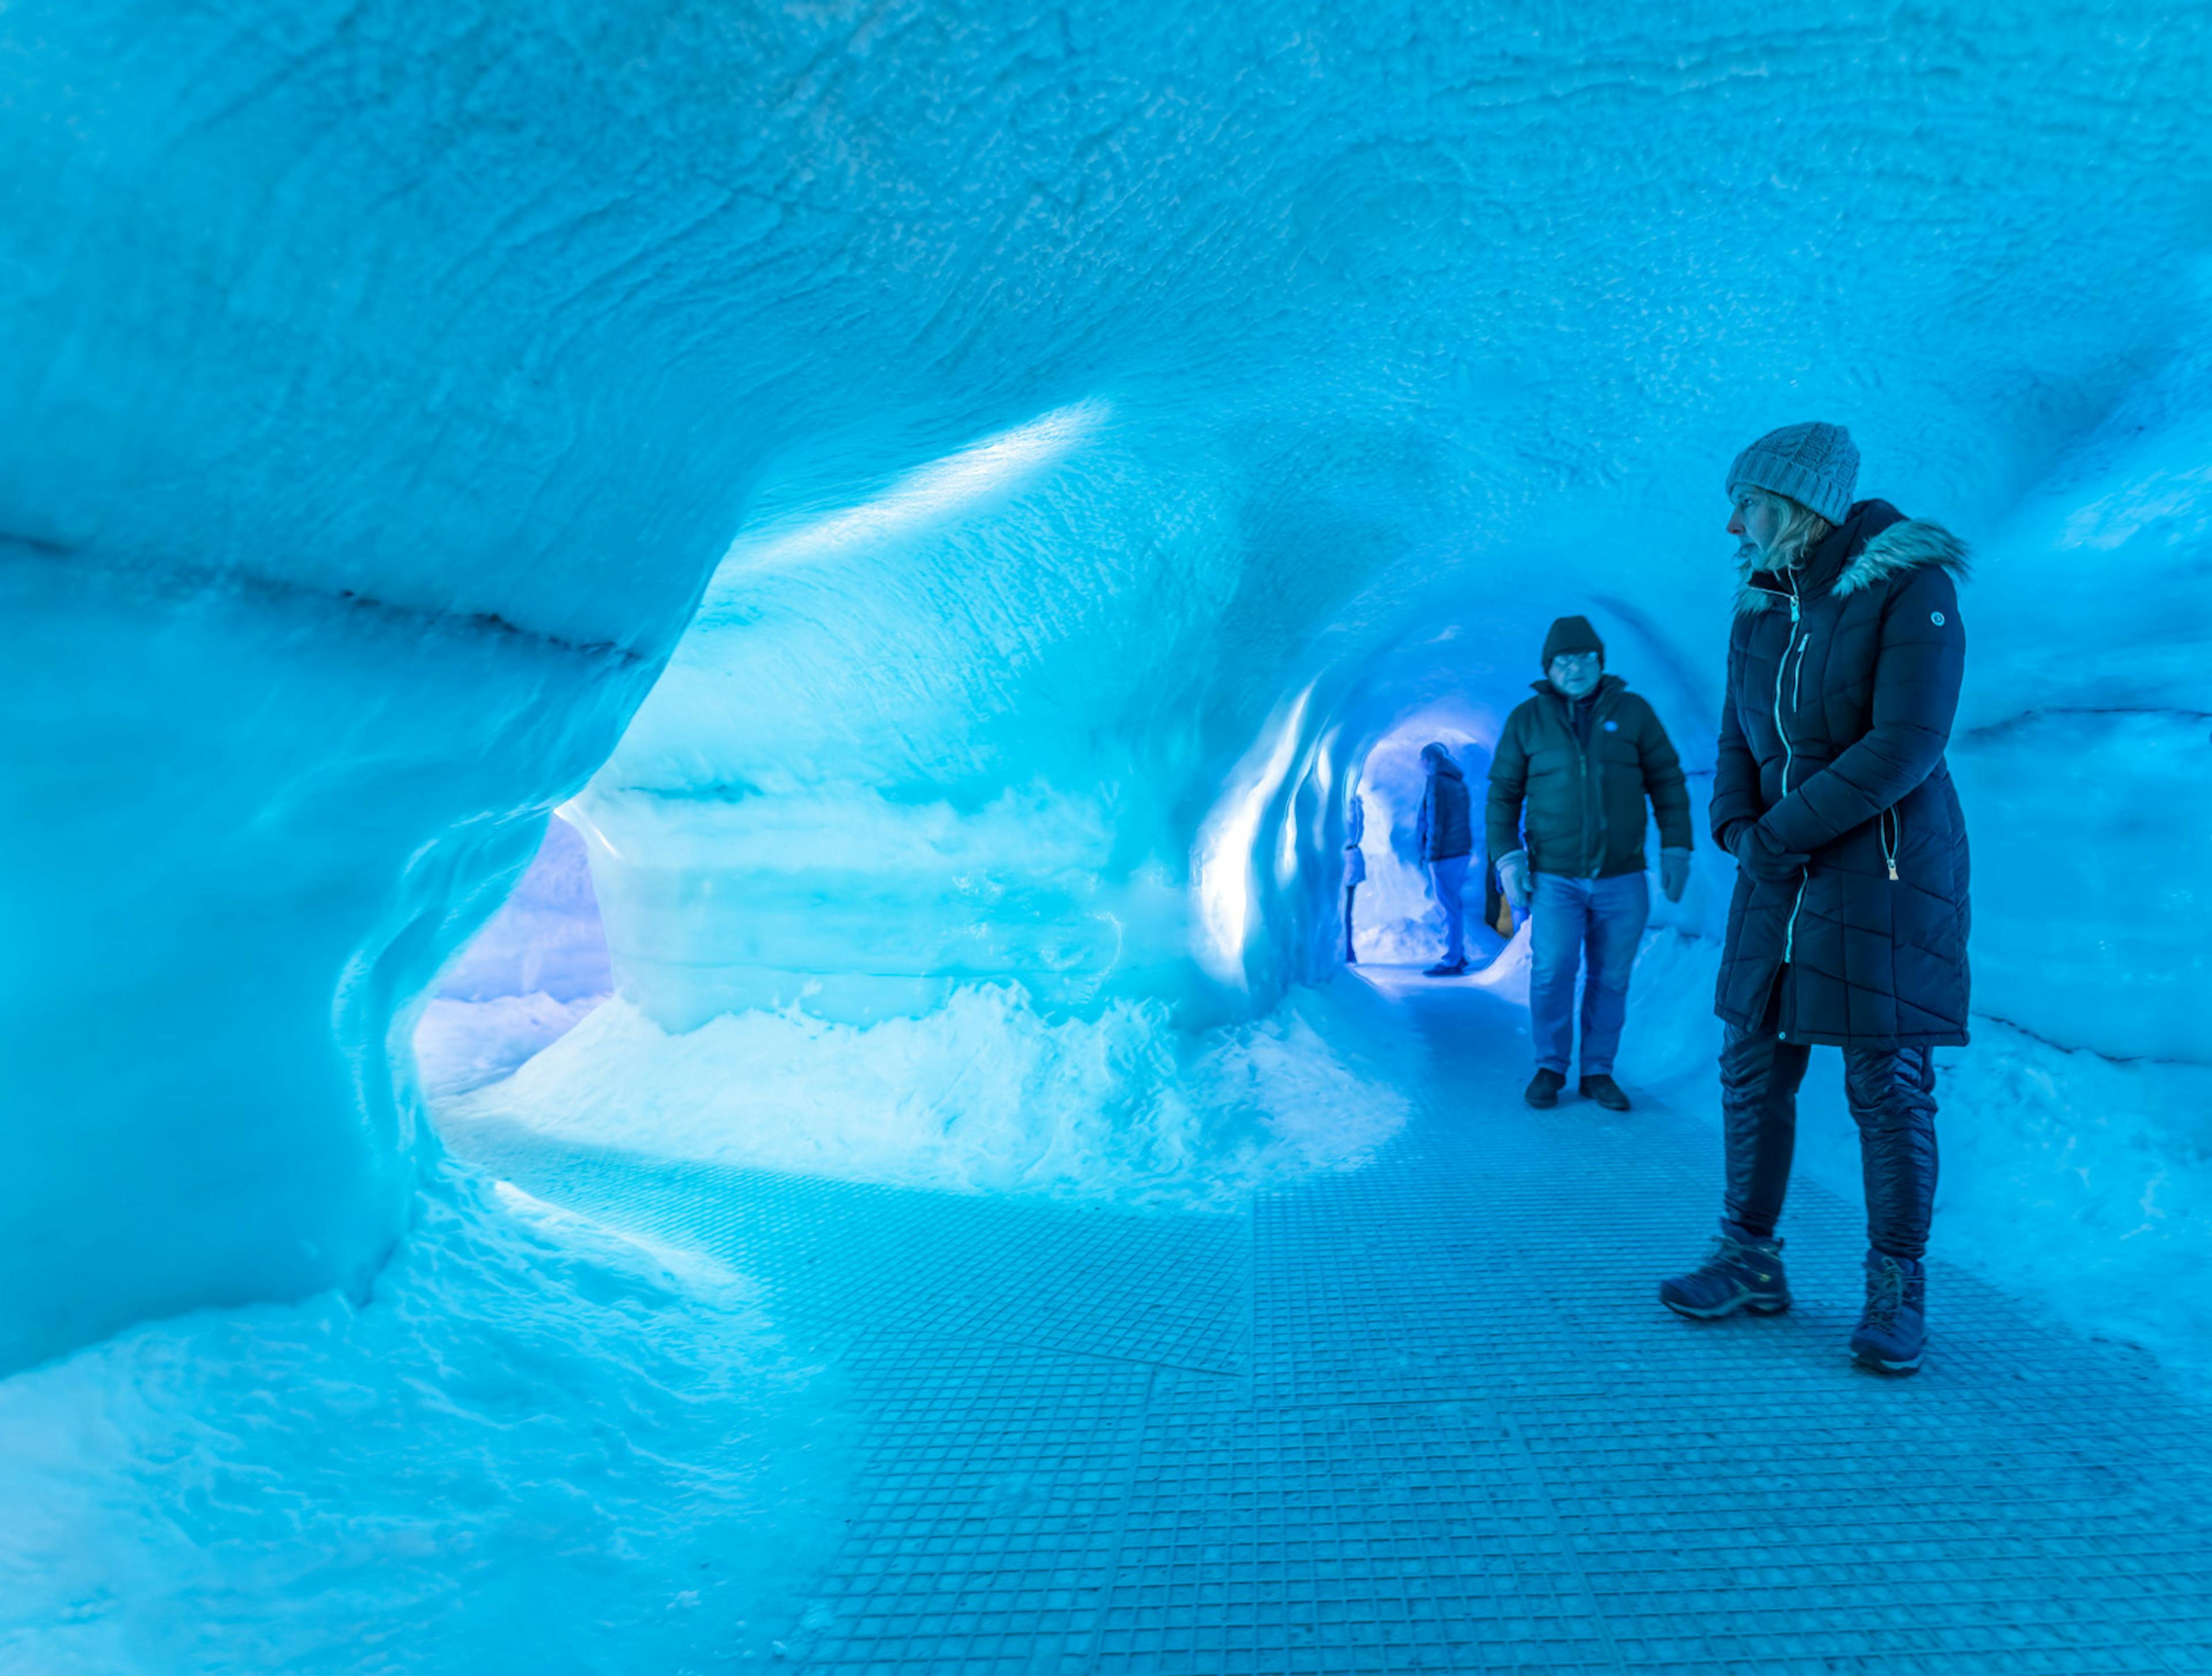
(534, 1445)
(984, 1095)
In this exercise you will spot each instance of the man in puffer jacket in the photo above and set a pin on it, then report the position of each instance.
(1583, 756)
(1444, 832)
(1848, 924)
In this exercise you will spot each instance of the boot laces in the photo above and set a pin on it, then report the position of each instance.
(1730, 1253)
(1885, 1293)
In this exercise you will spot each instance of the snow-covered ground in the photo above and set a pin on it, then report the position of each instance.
(533, 1447)
(463, 1045)
(985, 1093)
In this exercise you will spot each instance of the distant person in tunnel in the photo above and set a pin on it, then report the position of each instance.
(1443, 831)
(1848, 924)
(1355, 863)
(1574, 765)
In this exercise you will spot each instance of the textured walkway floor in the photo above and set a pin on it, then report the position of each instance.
(1429, 1415)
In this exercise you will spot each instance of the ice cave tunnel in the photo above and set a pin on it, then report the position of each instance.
(684, 685)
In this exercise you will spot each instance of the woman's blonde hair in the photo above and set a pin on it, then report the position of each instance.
(1800, 527)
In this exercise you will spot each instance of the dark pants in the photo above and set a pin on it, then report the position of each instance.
(1892, 1094)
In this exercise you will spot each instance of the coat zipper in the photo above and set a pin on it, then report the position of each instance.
(1594, 856)
(1889, 836)
(1788, 755)
(1782, 674)
(1582, 778)
(1581, 782)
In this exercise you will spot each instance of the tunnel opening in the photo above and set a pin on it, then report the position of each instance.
(1398, 919)
(838, 904)
(534, 971)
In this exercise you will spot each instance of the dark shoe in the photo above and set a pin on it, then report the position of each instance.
(1893, 1330)
(1543, 1090)
(1742, 1273)
(1446, 969)
(1605, 1091)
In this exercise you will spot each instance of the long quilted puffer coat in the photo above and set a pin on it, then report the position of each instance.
(1843, 679)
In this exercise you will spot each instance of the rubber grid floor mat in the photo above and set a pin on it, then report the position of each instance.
(1429, 1415)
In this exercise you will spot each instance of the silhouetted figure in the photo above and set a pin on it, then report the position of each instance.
(1848, 924)
(1355, 864)
(1574, 767)
(1444, 833)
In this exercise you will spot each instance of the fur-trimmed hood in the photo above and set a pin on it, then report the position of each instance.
(1901, 547)
(1901, 544)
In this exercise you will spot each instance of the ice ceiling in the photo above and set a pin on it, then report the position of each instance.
(1079, 432)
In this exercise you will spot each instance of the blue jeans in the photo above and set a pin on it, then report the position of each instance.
(1568, 917)
(1450, 877)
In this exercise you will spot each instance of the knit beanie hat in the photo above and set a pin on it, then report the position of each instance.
(1572, 634)
(1814, 464)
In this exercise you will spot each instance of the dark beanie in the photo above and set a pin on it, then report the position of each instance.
(1572, 634)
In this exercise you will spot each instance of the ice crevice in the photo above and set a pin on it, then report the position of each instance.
(2029, 718)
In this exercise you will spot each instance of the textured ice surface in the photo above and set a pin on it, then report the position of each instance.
(535, 1447)
(383, 386)
(1083, 434)
(933, 737)
(239, 858)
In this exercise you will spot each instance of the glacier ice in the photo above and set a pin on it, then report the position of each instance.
(536, 1446)
(946, 500)
(385, 388)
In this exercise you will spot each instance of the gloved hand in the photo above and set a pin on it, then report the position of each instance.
(1757, 854)
(1674, 873)
(1513, 877)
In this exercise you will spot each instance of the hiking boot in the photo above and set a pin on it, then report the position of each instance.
(1742, 1273)
(1543, 1090)
(1445, 969)
(1605, 1091)
(1894, 1330)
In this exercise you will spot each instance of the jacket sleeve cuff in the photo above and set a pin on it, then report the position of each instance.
(1511, 856)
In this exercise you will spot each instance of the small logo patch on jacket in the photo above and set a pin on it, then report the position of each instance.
(1936, 617)
(1612, 726)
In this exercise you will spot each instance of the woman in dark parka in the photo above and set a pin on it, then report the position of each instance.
(1850, 919)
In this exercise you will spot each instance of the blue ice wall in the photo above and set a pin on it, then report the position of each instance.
(382, 384)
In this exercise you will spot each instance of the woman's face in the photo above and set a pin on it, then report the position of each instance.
(1754, 520)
